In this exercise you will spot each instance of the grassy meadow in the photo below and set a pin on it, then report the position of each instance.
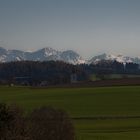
(107, 113)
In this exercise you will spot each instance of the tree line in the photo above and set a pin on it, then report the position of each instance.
(57, 72)
(35, 72)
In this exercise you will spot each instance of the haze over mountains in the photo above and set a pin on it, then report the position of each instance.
(69, 56)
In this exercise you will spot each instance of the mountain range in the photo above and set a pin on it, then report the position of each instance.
(45, 54)
(68, 56)
(118, 58)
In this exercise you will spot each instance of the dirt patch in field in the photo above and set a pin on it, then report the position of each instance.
(100, 83)
(117, 82)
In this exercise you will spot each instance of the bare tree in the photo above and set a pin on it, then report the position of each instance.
(50, 124)
(44, 123)
(12, 123)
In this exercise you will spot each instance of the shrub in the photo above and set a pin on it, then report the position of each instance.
(51, 124)
(12, 123)
(45, 123)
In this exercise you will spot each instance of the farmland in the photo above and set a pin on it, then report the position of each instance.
(104, 113)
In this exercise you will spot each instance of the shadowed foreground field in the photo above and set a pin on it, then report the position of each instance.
(109, 113)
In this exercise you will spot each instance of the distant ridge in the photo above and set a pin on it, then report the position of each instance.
(118, 58)
(45, 54)
(68, 56)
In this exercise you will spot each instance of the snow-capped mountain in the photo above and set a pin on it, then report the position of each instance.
(11, 55)
(45, 54)
(41, 55)
(118, 58)
(72, 57)
(68, 56)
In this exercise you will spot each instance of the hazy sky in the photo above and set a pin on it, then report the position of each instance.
(89, 27)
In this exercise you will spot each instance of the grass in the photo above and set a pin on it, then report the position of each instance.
(104, 106)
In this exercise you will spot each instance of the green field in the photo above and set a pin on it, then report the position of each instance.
(109, 113)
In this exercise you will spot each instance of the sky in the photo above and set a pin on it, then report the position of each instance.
(90, 27)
